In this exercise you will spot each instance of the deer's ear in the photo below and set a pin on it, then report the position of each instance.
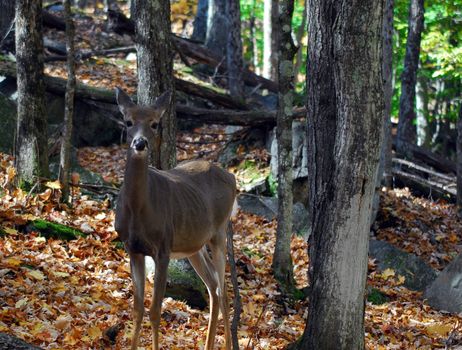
(162, 103)
(124, 101)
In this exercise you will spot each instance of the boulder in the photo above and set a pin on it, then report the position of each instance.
(417, 273)
(267, 207)
(183, 283)
(445, 293)
(8, 122)
(8, 342)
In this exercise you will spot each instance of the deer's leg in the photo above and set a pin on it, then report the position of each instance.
(204, 268)
(218, 248)
(160, 282)
(138, 276)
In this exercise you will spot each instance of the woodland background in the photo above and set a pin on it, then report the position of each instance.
(65, 279)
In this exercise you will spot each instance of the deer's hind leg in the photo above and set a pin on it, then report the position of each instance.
(204, 267)
(137, 269)
(218, 248)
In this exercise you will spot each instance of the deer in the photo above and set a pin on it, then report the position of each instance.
(172, 214)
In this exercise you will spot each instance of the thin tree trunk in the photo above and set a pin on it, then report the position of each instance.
(270, 39)
(459, 163)
(253, 40)
(344, 122)
(234, 50)
(64, 161)
(200, 21)
(422, 112)
(282, 260)
(300, 32)
(6, 18)
(406, 128)
(155, 72)
(31, 154)
(217, 29)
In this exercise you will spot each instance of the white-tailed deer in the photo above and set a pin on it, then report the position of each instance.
(170, 215)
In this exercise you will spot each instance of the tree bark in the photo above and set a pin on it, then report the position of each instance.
(234, 50)
(423, 138)
(459, 163)
(344, 122)
(406, 129)
(270, 39)
(64, 159)
(200, 21)
(217, 27)
(282, 260)
(31, 155)
(155, 72)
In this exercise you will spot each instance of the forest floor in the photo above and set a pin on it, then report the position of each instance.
(69, 294)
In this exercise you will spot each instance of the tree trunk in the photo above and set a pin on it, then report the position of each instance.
(270, 39)
(6, 18)
(406, 128)
(282, 260)
(217, 28)
(423, 138)
(200, 21)
(253, 40)
(155, 72)
(64, 160)
(384, 173)
(31, 154)
(344, 122)
(459, 163)
(300, 32)
(234, 50)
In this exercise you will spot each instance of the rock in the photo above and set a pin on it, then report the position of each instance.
(445, 293)
(183, 283)
(417, 273)
(267, 207)
(9, 342)
(8, 122)
(300, 151)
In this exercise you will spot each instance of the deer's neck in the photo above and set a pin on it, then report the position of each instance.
(136, 183)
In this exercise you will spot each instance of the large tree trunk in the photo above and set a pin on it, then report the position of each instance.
(155, 71)
(31, 154)
(282, 260)
(234, 50)
(345, 116)
(270, 39)
(217, 28)
(406, 128)
(65, 153)
(200, 21)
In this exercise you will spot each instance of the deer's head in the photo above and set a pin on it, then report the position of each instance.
(141, 121)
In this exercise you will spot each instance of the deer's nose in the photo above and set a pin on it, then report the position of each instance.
(140, 144)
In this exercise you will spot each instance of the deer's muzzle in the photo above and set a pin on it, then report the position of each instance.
(140, 144)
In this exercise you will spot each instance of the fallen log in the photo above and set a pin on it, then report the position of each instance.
(120, 24)
(425, 187)
(426, 171)
(436, 161)
(52, 21)
(214, 116)
(57, 86)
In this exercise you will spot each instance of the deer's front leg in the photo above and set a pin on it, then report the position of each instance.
(137, 268)
(160, 282)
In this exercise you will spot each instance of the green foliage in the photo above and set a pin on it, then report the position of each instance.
(272, 185)
(53, 230)
(376, 297)
(440, 55)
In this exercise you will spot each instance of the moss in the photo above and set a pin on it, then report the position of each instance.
(2, 232)
(376, 297)
(53, 230)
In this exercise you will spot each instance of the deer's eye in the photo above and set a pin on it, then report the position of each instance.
(154, 126)
(129, 123)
